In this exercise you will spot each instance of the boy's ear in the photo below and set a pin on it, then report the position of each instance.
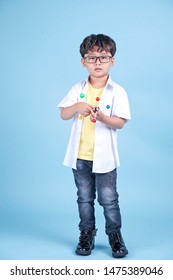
(83, 62)
(113, 61)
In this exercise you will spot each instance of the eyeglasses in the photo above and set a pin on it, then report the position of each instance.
(93, 59)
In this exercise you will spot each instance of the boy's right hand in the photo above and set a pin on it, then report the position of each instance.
(84, 109)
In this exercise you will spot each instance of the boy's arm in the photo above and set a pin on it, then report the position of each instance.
(81, 108)
(113, 122)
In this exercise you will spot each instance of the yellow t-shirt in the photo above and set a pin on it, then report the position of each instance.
(86, 147)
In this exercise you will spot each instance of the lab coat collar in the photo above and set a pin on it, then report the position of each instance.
(109, 82)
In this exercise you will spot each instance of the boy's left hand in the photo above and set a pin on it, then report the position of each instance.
(96, 115)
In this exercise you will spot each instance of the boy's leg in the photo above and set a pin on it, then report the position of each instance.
(108, 198)
(85, 183)
(86, 193)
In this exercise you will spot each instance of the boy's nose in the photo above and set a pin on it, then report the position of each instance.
(98, 60)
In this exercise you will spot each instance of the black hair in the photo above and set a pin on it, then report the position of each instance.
(100, 41)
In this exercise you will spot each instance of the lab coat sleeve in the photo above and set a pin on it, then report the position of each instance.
(70, 99)
(120, 106)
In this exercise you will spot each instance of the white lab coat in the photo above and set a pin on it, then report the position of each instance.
(113, 102)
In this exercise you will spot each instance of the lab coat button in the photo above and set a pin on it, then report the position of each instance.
(82, 95)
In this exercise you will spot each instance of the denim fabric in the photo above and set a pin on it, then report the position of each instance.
(88, 183)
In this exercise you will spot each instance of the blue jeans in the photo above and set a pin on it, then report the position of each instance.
(87, 184)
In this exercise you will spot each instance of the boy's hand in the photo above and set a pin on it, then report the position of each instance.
(96, 114)
(84, 109)
(99, 114)
(113, 122)
(93, 116)
(81, 108)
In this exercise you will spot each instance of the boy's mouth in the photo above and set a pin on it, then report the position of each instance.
(98, 69)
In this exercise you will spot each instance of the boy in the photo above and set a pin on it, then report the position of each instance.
(98, 107)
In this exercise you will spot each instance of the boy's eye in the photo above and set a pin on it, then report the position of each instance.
(102, 59)
(92, 58)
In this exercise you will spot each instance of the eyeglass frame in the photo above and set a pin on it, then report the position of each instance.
(97, 57)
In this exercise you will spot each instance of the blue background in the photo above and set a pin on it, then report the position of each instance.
(39, 63)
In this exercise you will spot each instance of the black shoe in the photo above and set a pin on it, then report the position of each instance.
(116, 241)
(86, 242)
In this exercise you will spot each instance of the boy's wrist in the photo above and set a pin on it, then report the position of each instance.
(100, 116)
(78, 107)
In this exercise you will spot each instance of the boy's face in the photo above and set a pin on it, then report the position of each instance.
(97, 63)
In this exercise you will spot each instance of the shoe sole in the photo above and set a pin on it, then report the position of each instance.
(120, 254)
(84, 253)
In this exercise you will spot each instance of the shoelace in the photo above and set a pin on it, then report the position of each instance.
(115, 238)
(85, 238)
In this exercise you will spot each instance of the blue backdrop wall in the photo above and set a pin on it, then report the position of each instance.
(39, 62)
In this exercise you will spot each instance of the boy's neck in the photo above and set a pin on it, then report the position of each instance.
(98, 82)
